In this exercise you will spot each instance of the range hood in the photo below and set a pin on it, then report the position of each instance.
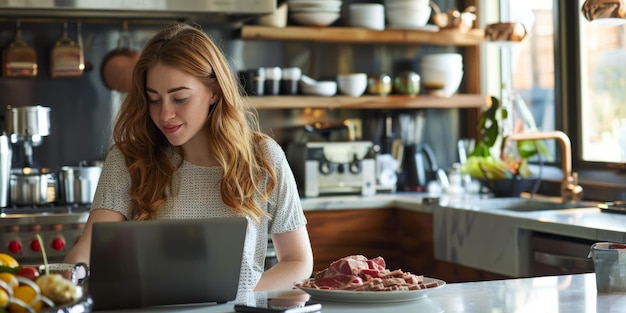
(203, 11)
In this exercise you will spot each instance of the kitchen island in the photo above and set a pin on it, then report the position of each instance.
(564, 293)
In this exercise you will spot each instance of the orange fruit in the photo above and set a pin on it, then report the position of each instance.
(10, 279)
(29, 296)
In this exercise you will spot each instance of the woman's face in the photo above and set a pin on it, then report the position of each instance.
(178, 105)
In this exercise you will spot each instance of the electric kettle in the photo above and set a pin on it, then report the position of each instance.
(419, 167)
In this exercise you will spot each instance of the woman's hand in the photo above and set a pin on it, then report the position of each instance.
(81, 249)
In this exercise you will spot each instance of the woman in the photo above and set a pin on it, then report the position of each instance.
(185, 147)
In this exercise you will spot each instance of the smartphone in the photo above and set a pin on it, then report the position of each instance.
(280, 306)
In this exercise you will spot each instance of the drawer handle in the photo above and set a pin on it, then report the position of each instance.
(563, 261)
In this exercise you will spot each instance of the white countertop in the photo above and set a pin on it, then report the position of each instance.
(567, 293)
(481, 232)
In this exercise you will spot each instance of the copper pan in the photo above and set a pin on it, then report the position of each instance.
(66, 57)
(19, 59)
(117, 66)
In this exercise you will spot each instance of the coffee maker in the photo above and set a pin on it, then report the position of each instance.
(331, 168)
(28, 183)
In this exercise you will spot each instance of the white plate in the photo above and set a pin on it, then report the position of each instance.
(372, 296)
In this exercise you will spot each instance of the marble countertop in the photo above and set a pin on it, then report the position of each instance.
(487, 233)
(565, 293)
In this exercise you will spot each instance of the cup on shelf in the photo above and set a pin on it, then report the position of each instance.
(273, 75)
(253, 81)
(289, 80)
(352, 84)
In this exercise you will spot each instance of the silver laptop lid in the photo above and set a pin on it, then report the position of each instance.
(163, 262)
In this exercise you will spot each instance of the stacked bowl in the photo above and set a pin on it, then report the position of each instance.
(442, 73)
(407, 13)
(314, 12)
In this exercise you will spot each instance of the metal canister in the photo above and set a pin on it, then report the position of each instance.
(77, 184)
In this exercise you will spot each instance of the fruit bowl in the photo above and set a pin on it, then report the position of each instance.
(83, 305)
(510, 187)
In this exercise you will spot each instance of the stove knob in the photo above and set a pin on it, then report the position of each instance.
(58, 243)
(35, 246)
(15, 246)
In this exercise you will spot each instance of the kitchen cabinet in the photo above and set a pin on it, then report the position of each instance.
(403, 238)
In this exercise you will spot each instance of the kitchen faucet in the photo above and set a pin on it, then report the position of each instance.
(570, 190)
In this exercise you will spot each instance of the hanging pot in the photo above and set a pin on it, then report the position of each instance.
(117, 66)
(66, 57)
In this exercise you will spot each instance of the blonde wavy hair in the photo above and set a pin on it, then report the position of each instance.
(234, 136)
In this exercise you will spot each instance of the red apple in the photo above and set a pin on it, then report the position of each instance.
(28, 272)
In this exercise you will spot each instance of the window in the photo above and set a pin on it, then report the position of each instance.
(528, 68)
(602, 62)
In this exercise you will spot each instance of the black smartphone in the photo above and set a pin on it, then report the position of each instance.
(280, 306)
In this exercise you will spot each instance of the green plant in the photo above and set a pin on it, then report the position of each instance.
(487, 160)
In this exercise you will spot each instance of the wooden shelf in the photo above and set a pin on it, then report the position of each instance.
(368, 102)
(362, 35)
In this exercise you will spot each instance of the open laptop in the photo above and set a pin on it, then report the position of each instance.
(163, 262)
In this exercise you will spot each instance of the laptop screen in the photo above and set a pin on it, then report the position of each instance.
(163, 262)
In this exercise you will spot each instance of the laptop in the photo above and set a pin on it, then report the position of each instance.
(138, 264)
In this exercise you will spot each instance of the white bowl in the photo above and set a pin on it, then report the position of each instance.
(320, 88)
(315, 9)
(408, 16)
(353, 84)
(308, 4)
(392, 2)
(315, 18)
(443, 83)
(367, 15)
(406, 4)
(446, 58)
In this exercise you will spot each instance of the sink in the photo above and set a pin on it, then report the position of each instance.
(529, 205)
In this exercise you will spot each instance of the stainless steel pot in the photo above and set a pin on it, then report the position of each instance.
(32, 187)
(77, 184)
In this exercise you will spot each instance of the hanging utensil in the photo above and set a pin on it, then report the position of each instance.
(19, 59)
(66, 57)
